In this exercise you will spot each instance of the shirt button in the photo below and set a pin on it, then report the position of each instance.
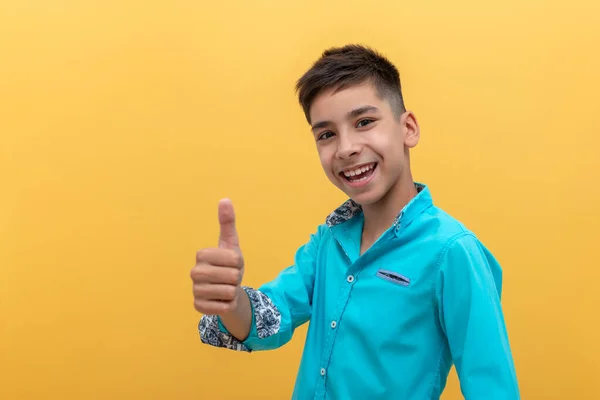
(322, 371)
(333, 324)
(350, 279)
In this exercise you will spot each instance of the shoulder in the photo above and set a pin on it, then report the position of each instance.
(319, 236)
(440, 227)
(462, 256)
(451, 235)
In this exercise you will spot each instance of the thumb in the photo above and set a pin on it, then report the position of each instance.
(228, 237)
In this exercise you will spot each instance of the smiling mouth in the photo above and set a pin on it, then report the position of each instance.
(359, 174)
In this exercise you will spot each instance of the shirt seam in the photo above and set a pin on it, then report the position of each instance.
(449, 243)
(442, 254)
(436, 377)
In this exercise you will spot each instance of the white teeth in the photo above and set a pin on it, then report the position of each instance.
(359, 171)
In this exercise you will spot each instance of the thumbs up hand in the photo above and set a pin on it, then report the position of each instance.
(218, 272)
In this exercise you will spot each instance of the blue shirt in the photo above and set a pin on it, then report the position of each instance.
(390, 323)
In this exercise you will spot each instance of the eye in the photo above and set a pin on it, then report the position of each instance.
(364, 122)
(325, 135)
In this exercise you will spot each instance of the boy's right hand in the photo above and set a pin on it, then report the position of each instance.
(218, 272)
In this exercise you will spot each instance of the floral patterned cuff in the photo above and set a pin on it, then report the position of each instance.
(266, 321)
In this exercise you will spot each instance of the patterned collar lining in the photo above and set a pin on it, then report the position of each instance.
(350, 208)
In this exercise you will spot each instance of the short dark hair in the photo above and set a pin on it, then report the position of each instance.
(353, 64)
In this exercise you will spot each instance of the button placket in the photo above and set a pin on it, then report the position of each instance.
(333, 324)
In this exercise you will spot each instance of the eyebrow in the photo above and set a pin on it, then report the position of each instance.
(350, 114)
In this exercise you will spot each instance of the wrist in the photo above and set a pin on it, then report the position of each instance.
(238, 320)
(235, 305)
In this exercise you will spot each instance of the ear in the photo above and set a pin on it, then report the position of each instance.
(412, 132)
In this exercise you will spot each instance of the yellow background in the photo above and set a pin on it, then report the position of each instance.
(122, 123)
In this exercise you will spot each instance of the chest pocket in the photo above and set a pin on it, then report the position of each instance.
(393, 277)
(395, 288)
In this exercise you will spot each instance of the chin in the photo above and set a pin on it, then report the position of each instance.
(362, 197)
(367, 198)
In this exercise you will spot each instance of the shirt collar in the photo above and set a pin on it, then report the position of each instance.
(415, 206)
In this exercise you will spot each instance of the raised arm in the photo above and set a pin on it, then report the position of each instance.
(242, 318)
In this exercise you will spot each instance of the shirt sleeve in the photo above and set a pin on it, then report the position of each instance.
(278, 307)
(468, 291)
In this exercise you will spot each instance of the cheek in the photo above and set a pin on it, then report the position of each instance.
(325, 159)
(391, 149)
(393, 156)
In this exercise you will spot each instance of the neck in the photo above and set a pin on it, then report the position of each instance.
(379, 216)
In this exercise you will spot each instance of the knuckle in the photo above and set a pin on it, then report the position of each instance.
(196, 270)
(200, 255)
(230, 292)
(198, 306)
(237, 259)
(197, 273)
(236, 276)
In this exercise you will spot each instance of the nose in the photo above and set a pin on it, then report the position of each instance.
(347, 148)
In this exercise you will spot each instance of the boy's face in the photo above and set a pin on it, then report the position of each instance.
(362, 144)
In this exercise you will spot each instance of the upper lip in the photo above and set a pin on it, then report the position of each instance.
(356, 167)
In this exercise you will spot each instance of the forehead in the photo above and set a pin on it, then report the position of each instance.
(332, 104)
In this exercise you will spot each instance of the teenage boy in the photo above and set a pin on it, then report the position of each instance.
(396, 290)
